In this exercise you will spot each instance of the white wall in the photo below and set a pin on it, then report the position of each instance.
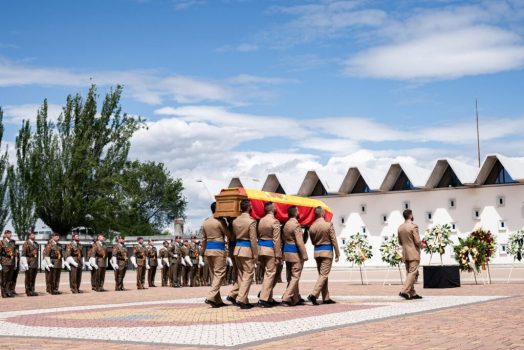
(435, 201)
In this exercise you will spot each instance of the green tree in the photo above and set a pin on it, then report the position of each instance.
(22, 203)
(151, 198)
(4, 164)
(75, 163)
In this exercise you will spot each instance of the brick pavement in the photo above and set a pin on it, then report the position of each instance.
(492, 325)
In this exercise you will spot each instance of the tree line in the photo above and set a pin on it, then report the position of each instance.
(75, 172)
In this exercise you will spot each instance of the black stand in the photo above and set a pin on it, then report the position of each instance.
(447, 276)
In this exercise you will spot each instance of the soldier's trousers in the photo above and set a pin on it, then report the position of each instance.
(165, 275)
(120, 273)
(54, 278)
(173, 274)
(151, 273)
(217, 265)
(292, 293)
(30, 278)
(6, 274)
(269, 280)
(140, 276)
(411, 277)
(100, 278)
(48, 282)
(246, 273)
(75, 278)
(93, 279)
(280, 267)
(323, 268)
(11, 285)
(194, 280)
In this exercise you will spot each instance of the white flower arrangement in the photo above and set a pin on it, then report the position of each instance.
(437, 239)
(358, 249)
(391, 250)
(516, 244)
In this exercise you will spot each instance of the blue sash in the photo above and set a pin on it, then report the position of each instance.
(290, 248)
(266, 243)
(244, 243)
(215, 245)
(323, 247)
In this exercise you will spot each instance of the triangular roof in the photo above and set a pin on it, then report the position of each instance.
(464, 172)
(245, 182)
(272, 184)
(513, 166)
(311, 184)
(416, 175)
(371, 177)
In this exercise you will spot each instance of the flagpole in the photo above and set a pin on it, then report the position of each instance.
(478, 133)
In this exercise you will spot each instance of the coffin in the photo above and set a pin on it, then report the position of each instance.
(228, 205)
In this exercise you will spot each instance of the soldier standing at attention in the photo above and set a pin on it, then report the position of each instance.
(269, 252)
(92, 264)
(324, 239)
(14, 273)
(74, 257)
(295, 254)
(186, 263)
(47, 271)
(173, 253)
(214, 233)
(194, 254)
(164, 258)
(7, 263)
(119, 262)
(53, 256)
(100, 253)
(140, 263)
(29, 260)
(245, 253)
(152, 256)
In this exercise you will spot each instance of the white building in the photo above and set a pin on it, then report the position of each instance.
(452, 193)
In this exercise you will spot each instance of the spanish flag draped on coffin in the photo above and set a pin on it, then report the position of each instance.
(228, 204)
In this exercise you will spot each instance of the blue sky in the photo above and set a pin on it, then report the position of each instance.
(239, 87)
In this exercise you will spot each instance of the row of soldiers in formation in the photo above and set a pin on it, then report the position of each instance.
(180, 261)
(269, 244)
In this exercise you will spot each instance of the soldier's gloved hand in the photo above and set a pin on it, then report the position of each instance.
(0, 267)
(45, 264)
(183, 262)
(147, 266)
(229, 261)
(66, 264)
(71, 261)
(188, 261)
(23, 263)
(200, 261)
(88, 265)
(133, 261)
(92, 262)
(114, 263)
(166, 261)
(159, 262)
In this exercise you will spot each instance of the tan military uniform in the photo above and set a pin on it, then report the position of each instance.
(53, 251)
(269, 234)
(152, 256)
(185, 271)
(7, 259)
(323, 237)
(214, 233)
(174, 265)
(74, 250)
(294, 253)
(194, 253)
(120, 253)
(100, 253)
(30, 252)
(140, 254)
(164, 254)
(245, 232)
(15, 271)
(409, 239)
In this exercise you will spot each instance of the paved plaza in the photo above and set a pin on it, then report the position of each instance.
(366, 316)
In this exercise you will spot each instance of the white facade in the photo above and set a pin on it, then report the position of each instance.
(454, 193)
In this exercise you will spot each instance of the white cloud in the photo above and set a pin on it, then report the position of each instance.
(443, 43)
(148, 86)
(15, 114)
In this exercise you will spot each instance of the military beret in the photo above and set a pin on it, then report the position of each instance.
(139, 238)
